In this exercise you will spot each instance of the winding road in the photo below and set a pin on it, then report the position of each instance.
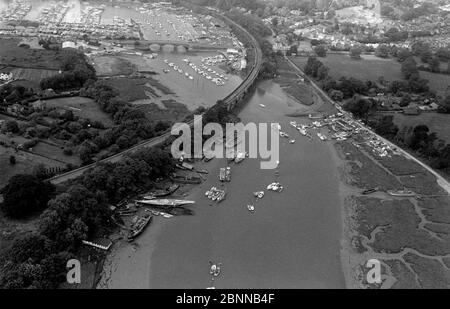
(441, 180)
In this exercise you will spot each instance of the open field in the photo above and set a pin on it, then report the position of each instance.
(13, 55)
(82, 107)
(55, 153)
(170, 110)
(111, 66)
(371, 68)
(32, 75)
(25, 162)
(133, 89)
(288, 79)
(439, 123)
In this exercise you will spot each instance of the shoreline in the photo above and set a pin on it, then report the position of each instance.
(316, 274)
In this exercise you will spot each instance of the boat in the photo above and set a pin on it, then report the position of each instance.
(310, 116)
(275, 186)
(283, 134)
(401, 193)
(161, 193)
(259, 194)
(222, 174)
(240, 157)
(186, 179)
(228, 174)
(251, 208)
(322, 137)
(369, 191)
(166, 202)
(215, 194)
(138, 227)
(215, 269)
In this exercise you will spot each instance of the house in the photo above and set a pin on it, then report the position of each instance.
(39, 105)
(69, 44)
(5, 77)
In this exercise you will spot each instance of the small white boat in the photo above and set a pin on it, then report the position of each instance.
(251, 208)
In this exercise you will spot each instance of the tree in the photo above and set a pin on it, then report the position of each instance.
(274, 21)
(409, 68)
(444, 105)
(386, 10)
(385, 126)
(435, 65)
(443, 53)
(420, 137)
(420, 47)
(25, 195)
(406, 99)
(12, 126)
(321, 51)
(359, 107)
(355, 53)
(426, 56)
(336, 95)
(293, 49)
(403, 54)
(322, 72)
(382, 51)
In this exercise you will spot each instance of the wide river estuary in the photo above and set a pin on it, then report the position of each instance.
(291, 241)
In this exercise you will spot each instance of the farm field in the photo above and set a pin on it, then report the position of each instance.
(55, 153)
(13, 55)
(82, 107)
(371, 68)
(439, 123)
(112, 66)
(288, 80)
(32, 75)
(25, 162)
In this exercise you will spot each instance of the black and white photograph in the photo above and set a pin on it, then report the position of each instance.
(246, 146)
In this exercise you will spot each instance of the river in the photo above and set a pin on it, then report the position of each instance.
(291, 241)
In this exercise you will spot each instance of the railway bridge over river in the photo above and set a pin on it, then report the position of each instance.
(231, 101)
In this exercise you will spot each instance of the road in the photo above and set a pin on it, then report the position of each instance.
(242, 88)
(441, 180)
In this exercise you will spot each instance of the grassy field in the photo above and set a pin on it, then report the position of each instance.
(172, 111)
(82, 107)
(371, 68)
(133, 89)
(439, 123)
(24, 163)
(32, 75)
(288, 80)
(111, 66)
(13, 55)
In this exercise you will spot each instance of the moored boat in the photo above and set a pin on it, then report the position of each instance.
(138, 227)
(401, 193)
(166, 202)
